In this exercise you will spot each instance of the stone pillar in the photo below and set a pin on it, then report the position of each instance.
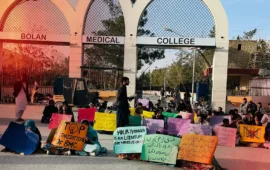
(132, 16)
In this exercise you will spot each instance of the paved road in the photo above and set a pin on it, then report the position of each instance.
(238, 158)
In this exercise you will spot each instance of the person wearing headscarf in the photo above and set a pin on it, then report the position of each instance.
(92, 146)
(66, 110)
(31, 125)
(48, 111)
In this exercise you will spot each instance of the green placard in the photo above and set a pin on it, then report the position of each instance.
(135, 121)
(169, 115)
(160, 148)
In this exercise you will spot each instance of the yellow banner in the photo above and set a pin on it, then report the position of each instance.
(197, 148)
(70, 135)
(105, 121)
(252, 133)
(148, 115)
(132, 111)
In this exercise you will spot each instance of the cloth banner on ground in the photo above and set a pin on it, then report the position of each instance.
(87, 114)
(144, 102)
(252, 133)
(135, 121)
(197, 148)
(57, 118)
(200, 129)
(153, 125)
(70, 135)
(186, 115)
(226, 136)
(105, 121)
(129, 139)
(218, 120)
(19, 140)
(132, 111)
(148, 115)
(178, 127)
(160, 148)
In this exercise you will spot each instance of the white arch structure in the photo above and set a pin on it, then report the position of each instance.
(76, 20)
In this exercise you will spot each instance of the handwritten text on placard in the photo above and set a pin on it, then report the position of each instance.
(200, 129)
(153, 125)
(178, 126)
(226, 136)
(105, 121)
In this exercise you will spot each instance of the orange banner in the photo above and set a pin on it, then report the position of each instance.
(70, 135)
(197, 148)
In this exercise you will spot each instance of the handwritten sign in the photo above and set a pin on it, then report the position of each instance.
(57, 118)
(129, 139)
(105, 121)
(160, 148)
(186, 115)
(226, 136)
(70, 135)
(197, 148)
(144, 102)
(148, 115)
(132, 111)
(178, 127)
(168, 114)
(252, 133)
(135, 121)
(200, 129)
(153, 125)
(87, 114)
(218, 120)
(28, 140)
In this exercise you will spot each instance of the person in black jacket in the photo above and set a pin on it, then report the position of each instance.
(66, 110)
(48, 111)
(123, 112)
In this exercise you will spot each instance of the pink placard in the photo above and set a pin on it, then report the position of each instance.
(186, 115)
(86, 114)
(178, 126)
(226, 136)
(57, 118)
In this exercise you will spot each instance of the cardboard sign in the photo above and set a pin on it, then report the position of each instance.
(57, 118)
(218, 120)
(198, 148)
(160, 148)
(144, 102)
(86, 114)
(186, 115)
(226, 136)
(105, 121)
(70, 135)
(168, 114)
(252, 133)
(129, 139)
(135, 121)
(178, 127)
(132, 111)
(153, 125)
(200, 129)
(19, 140)
(148, 115)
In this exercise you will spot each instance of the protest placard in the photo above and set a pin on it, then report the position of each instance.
(105, 121)
(252, 133)
(132, 111)
(135, 121)
(178, 127)
(86, 114)
(153, 125)
(186, 115)
(197, 148)
(200, 129)
(148, 115)
(129, 139)
(144, 102)
(160, 148)
(218, 120)
(169, 114)
(57, 118)
(28, 140)
(226, 136)
(70, 135)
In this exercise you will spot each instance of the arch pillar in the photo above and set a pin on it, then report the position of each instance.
(132, 16)
(220, 62)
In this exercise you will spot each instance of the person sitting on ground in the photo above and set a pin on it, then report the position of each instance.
(158, 114)
(226, 123)
(66, 110)
(181, 106)
(48, 111)
(259, 115)
(219, 112)
(31, 125)
(92, 147)
(235, 118)
(257, 121)
(201, 119)
(251, 107)
(103, 107)
(261, 109)
(139, 110)
(249, 120)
